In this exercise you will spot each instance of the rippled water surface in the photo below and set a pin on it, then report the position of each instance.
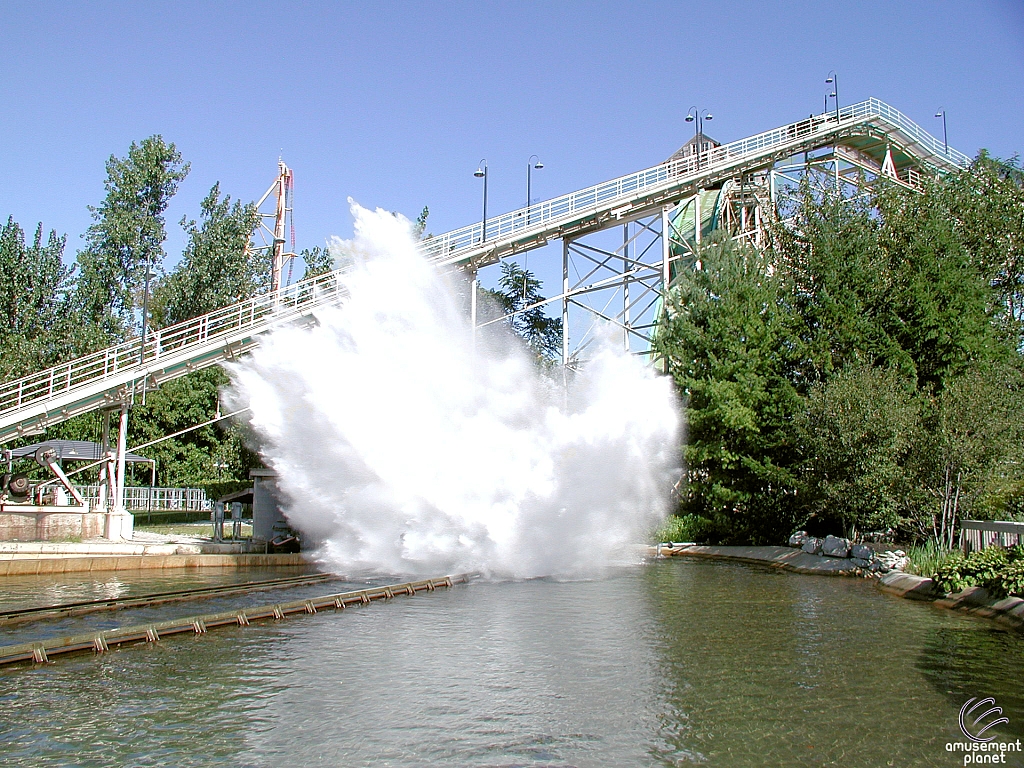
(675, 663)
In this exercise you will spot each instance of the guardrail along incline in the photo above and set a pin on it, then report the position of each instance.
(91, 382)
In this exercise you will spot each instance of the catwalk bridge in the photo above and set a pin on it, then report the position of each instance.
(866, 138)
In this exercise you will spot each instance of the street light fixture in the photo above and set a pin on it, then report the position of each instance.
(693, 114)
(942, 113)
(481, 173)
(530, 167)
(833, 78)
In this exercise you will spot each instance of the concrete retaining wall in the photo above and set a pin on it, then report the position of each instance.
(47, 565)
(43, 525)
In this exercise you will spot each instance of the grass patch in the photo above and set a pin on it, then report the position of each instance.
(926, 559)
(191, 529)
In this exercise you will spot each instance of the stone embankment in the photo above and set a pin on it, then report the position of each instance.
(833, 556)
(830, 556)
(1008, 611)
(862, 557)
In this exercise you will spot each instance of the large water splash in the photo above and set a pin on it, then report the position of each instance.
(406, 449)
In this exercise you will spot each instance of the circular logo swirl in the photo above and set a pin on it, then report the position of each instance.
(974, 729)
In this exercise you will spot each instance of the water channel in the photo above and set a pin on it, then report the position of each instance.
(674, 663)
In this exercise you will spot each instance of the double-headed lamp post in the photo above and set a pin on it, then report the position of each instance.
(942, 113)
(833, 79)
(481, 173)
(698, 116)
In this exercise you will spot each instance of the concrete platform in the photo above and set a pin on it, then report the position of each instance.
(89, 564)
(785, 558)
(145, 550)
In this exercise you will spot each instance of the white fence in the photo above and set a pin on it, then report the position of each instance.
(978, 534)
(155, 499)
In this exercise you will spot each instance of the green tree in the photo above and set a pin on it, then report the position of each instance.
(984, 208)
(518, 292)
(36, 329)
(216, 270)
(728, 336)
(941, 300)
(968, 456)
(886, 329)
(856, 434)
(839, 284)
(318, 261)
(419, 227)
(213, 457)
(127, 235)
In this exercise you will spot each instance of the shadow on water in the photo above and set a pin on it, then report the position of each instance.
(760, 667)
(978, 661)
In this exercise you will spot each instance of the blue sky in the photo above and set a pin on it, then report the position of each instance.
(395, 104)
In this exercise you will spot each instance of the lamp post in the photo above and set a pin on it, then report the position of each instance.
(481, 173)
(530, 167)
(942, 113)
(145, 312)
(693, 114)
(833, 78)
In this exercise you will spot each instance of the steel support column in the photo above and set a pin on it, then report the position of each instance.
(565, 302)
(122, 449)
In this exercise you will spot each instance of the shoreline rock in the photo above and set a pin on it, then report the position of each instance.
(863, 556)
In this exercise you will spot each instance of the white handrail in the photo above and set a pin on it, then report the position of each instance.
(446, 247)
(197, 332)
(536, 220)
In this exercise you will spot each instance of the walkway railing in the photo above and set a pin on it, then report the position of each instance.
(58, 388)
(448, 246)
(253, 314)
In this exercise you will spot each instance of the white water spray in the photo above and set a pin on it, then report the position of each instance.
(404, 450)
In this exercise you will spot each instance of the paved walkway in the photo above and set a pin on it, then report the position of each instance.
(786, 558)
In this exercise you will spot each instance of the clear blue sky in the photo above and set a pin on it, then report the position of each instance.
(395, 104)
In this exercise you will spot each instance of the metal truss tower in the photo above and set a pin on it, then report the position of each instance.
(619, 281)
(271, 227)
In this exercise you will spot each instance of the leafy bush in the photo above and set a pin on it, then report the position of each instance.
(1012, 579)
(950, 575)
(684, 528)
(1000, 571)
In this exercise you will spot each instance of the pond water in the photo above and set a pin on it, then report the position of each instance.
(678, 662)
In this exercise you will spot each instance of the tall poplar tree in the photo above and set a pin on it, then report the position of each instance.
(127, 235)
